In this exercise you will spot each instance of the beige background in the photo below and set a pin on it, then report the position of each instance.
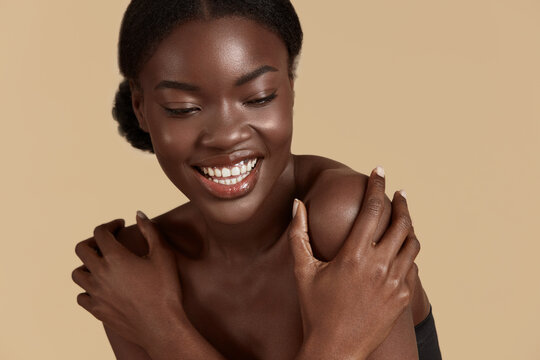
(443, 94)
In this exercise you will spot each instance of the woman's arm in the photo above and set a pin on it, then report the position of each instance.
(123, 349)
(333, 204)
(138, 298)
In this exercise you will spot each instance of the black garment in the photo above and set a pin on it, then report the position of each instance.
(427, 340)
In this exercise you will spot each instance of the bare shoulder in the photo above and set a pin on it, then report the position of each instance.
(170, 224)
(333, 199)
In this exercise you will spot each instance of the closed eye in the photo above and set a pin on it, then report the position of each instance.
(261, 101)
(181, 111)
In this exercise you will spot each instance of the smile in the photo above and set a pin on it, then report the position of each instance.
(229, 175)
(229, 181)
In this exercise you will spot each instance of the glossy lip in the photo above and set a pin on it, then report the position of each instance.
(231, 191)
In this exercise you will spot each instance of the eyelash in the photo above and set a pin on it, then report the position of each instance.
(262, 101)
(256, 103)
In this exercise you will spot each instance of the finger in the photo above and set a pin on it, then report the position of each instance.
(105, 237)
(399, 229)
(406, 256)
(299, 241)
(87, 251)
(366, 223)
(82, 277)
(85, 300)
(156, 243)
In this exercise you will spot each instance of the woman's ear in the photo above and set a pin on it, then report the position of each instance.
(137, 101)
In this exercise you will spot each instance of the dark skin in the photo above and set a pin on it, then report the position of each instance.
(236, 268)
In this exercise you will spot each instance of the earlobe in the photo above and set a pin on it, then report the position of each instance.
(137, 102)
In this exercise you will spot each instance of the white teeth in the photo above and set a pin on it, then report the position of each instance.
(251, 165)
(230, 175)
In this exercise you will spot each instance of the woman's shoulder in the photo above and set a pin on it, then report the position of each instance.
(333, 194)
(169, 224)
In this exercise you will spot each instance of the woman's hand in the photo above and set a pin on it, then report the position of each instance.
(139, 298)
(349, 305)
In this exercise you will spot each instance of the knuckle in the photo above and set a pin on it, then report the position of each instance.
(380, 271)
(404, 298)
(416, 246)
(404, 222)
(375, 206)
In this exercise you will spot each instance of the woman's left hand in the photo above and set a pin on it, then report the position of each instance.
(139, 298)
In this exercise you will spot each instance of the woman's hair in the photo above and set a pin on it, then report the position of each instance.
(147, 22)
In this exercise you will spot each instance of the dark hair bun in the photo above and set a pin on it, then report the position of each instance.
(128, 125)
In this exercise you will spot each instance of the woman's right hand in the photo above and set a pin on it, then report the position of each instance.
(349, 305)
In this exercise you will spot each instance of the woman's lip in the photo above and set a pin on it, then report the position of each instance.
(230, 191)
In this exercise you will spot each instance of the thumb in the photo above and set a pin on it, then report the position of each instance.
(151, 233)
(299, 240)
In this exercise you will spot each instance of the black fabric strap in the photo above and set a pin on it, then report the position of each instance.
(426, 339)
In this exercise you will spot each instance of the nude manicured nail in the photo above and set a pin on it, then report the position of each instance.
(403, 193)
(294, 207)
(380, 171)
(141, 215)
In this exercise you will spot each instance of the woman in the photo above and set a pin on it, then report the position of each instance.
(209, 90)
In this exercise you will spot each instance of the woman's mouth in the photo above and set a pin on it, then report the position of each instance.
(230, 181)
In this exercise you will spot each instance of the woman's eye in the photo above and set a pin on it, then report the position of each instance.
(181, 111)
(262, 101)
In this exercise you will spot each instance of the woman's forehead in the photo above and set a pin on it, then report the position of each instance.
(225, 47)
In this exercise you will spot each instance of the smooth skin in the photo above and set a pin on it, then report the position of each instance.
(239, 296)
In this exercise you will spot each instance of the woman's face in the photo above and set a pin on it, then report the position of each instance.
(216, 97)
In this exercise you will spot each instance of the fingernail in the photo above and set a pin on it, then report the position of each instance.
(294, 207)
(380, 171)
(141, 215)
(403, 193)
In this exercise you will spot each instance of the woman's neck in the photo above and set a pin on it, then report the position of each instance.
(239, 242)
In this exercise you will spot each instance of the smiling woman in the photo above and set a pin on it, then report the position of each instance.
(210, 90)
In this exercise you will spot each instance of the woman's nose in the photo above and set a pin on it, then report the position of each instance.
(225, 129)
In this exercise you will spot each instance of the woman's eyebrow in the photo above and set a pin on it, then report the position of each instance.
(254, 74)
(170, 84)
